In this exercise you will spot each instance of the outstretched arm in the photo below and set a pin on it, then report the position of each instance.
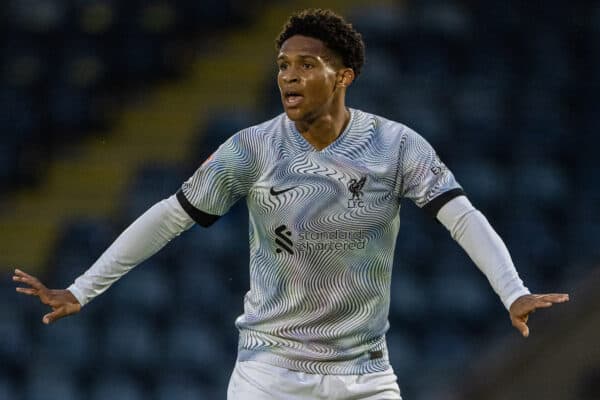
(146, 236)
(487, 250)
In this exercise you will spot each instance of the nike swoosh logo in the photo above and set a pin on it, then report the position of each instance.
(278, 192)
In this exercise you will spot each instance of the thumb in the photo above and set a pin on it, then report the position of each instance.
(54, 315)
(521, 326)
(524, 330)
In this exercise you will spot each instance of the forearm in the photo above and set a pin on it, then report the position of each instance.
(472, 231)
(143, 238)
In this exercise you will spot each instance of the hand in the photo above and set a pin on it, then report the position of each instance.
(525, 305)
(63, 302)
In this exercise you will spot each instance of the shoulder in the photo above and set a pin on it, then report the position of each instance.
(385, 128)
(254, 145)
(259, 135)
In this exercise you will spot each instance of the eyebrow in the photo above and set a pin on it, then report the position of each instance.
(302, 56)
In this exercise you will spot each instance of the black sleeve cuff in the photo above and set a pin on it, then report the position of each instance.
(200, 217)
(434, 206)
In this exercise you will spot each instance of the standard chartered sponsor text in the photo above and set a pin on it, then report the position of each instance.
(336, 240)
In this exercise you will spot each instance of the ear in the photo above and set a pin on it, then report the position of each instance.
(345, 77)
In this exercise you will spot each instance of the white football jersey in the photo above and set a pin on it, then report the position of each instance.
(323, 227)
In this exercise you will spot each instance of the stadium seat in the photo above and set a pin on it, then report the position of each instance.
(46, 381)
(194, 346)
(116, 387)
(8, 389)
(70, 341)
(129, 341)
(14, 335)
(147, 291)
(152, 184)
(186, 387)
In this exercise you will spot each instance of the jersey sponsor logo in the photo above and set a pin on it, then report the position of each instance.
(334, 240)
(278, 192)
(355, 188)
(283, 240)
(319, 241)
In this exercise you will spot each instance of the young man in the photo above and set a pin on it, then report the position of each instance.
(323, 185)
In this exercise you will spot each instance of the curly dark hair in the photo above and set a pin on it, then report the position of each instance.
(330, 28)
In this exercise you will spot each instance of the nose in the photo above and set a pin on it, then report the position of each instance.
(289, 76)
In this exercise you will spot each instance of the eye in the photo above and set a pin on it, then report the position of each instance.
(282, 66)
(307, 66)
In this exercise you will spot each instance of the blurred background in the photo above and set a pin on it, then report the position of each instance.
(107, 106)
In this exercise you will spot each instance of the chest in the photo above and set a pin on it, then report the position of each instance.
(323, 185)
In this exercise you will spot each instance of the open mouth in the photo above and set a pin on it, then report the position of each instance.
(292, 99)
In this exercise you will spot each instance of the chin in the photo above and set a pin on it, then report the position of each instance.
(294, 114)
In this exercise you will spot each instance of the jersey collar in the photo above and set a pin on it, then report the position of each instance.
(304, 145)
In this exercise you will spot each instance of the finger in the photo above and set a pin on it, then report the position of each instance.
(54, 315)
(542, 304)
(525, 331)
(28, 291)
(521, 327)
(553, 297)
(32, 281)
(24, 274)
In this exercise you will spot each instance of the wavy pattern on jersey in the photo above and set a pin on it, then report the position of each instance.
(360, 300)
(355, 146)
(420, 183)
(313, 309)
(335, 304)
(229, 172)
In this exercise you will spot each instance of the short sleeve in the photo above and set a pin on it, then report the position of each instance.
(425, 179)
(224, 178)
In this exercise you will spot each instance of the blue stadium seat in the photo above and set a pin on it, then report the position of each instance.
(116, 387)
(146, 290)
(451, 341)
(485, 183)
(69, 108)
(95, 18)
(130, 341)
(404, 353)
(187, 387)
(366, 90)
(534, 245)
(414, 240)
(459, 296)
(409, 300)
(15, 338)
(152, 184)
(81, 242)
(8, 389)
(69, 340)
(47, 381)
(8, 166)
(23, 64)
(220, 127)
(196, 347)
(201, 286)
(40, 16)
(18, 116)
(539, 184)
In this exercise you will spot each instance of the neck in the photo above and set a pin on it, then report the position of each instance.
(325, 129)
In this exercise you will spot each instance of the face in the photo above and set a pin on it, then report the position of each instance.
(308, 78)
